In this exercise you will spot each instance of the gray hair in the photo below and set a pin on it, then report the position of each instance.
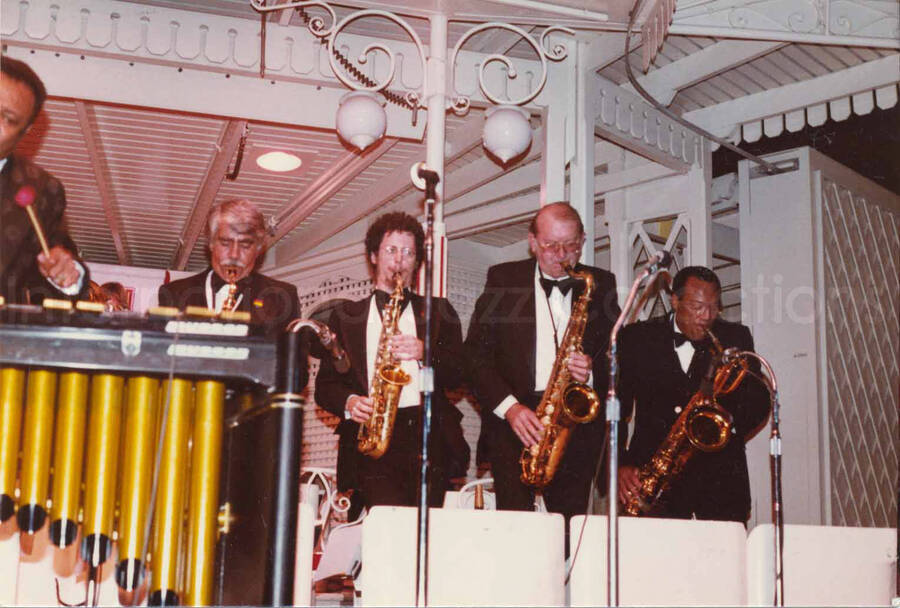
(240, 214)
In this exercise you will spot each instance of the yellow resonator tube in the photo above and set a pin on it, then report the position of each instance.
(68, 453)
(12, 385)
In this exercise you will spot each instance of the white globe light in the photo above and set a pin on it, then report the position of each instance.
(506, 131)
(361, 119)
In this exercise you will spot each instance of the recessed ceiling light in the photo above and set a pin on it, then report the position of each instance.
(279, 162)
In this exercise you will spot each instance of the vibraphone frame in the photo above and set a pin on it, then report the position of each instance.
(233, 353)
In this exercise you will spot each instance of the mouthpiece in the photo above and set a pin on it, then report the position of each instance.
(25, 196)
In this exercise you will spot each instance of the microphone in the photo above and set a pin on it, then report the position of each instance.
(427, 174)
(423, 175)
(327, 339)
(661, 259)
(330, 342)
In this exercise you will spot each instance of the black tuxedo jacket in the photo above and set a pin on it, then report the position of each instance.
(272, 304)
(349, 321)
(652, 384)
(19, 245)
(501, 342)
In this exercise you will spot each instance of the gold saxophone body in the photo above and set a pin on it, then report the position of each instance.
(565, 402)
(230, 302)
(703, 425)
(374, 436)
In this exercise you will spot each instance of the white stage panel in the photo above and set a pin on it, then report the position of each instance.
(477, 558)
(824, 566)
(662, 562)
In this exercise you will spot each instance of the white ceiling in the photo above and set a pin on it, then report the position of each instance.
(134, 175)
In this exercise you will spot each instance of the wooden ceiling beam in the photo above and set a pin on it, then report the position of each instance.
(229, 139)
(104, 186)
(393, 186)
(326, 185)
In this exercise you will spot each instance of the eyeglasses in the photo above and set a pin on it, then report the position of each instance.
(405, 252)
(567, 247)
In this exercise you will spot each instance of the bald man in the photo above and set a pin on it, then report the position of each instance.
(518, 322)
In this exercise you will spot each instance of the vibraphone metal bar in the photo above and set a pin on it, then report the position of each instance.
(130, 342)
(101, 382)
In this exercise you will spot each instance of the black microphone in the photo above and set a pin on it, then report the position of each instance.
(340, 359)
(427, 174)
(661, 259)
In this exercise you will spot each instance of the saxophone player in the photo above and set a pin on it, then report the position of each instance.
(236, 231)
(394, 248)
(512, 345)
(662, 362)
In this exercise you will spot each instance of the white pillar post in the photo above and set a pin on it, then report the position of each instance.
(581, 173)
(435, 132)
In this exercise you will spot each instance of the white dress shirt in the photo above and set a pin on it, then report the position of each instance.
(409, 395)
(685, 352)
(549, 312)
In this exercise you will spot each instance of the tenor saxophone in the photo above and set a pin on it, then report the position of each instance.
(374, 436)
(703, 425)
(565, 402)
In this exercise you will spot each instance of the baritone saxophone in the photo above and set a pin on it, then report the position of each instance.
(703, 425)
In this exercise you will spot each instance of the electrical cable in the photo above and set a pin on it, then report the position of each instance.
(769, 167)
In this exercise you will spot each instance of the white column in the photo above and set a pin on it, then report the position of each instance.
(581, 174)
(434, 140)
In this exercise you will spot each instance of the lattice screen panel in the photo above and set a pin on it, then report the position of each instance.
(646, 239)
(319, 441)
(862, 283)
(465, 282)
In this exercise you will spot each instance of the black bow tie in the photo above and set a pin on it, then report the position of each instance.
(382, 297)
(563, 285)
(680, 339)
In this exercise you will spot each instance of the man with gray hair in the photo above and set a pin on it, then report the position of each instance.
(236, 232)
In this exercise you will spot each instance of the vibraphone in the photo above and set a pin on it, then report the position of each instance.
(112, 429)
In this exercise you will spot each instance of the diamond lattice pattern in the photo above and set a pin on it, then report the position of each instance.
(861, 246)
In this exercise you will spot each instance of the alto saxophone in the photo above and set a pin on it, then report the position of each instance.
(703, 425)
(230, 302)
(374, 436)
(565, 402)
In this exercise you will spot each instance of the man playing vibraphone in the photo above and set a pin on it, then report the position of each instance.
(31, 270)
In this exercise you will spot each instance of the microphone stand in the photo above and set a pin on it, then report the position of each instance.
(775, 474)
(613, 415)
(777, 505)
(426, 374)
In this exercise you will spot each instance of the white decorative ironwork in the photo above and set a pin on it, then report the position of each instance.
(416, 97)
(316, 25)
(847, 22)
(558, 52)
(320, 488)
